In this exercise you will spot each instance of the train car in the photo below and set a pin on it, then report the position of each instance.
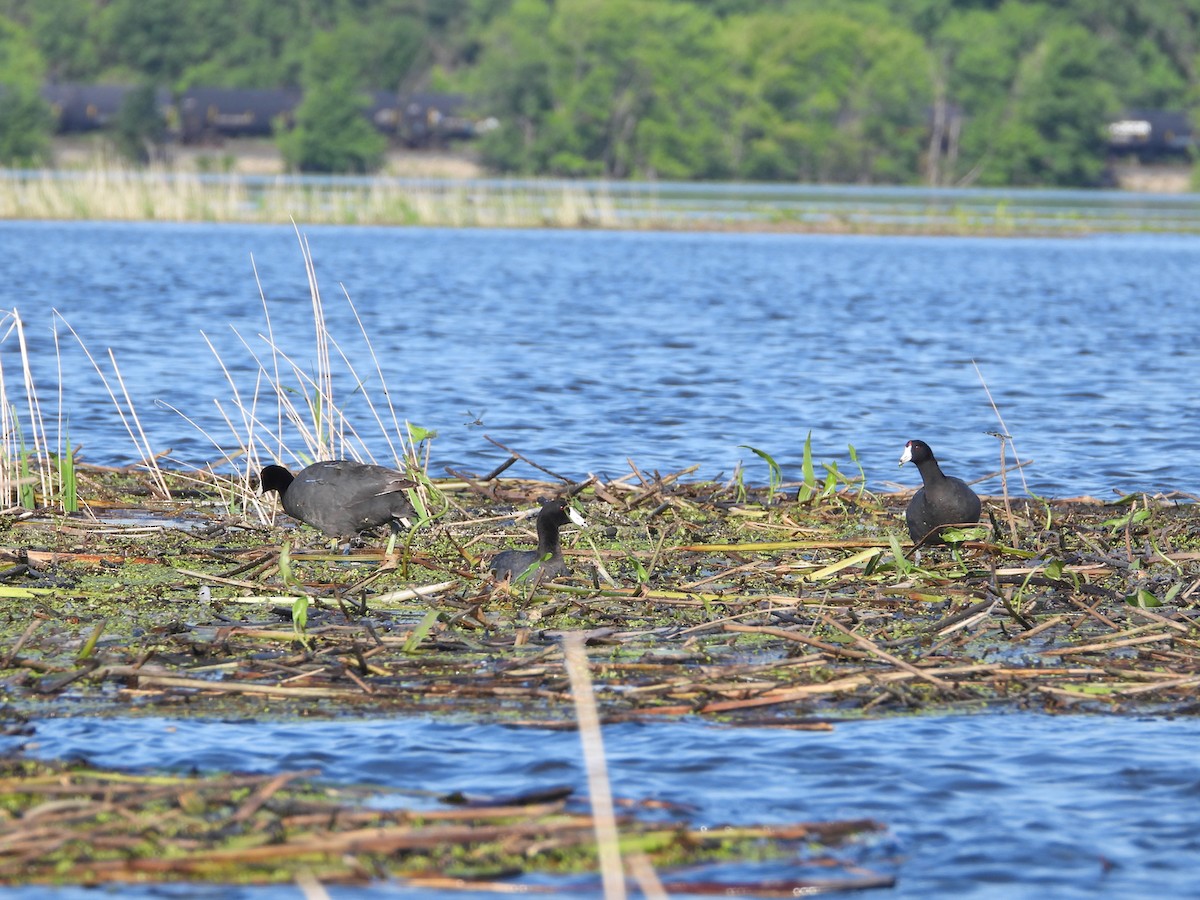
(384, 112)
(81, 108)
(208, 114)
(432, 119)
(1150, 134)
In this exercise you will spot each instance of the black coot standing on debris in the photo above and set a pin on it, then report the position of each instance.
(944, 500)
(341, 497)
(512, 564)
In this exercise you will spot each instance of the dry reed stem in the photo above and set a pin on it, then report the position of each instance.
(15, 448)
(127, 413)
(1005, 438)
(37, 427)
(9, 451)
(310, 410)
(592, 742)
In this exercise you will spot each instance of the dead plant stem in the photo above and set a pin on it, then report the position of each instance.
(592, 741)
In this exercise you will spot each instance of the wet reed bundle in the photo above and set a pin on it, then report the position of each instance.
(79, 825)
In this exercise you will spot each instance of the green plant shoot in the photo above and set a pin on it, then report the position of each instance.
(775, 476)
(418, 634)
(808, 489)
(68, 491)
(300, 615)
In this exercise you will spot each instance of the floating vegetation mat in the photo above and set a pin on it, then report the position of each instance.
(77, 825)
(790, 606)
(695, 599)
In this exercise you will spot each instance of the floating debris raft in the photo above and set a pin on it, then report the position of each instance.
(747, 605)
(73, 824)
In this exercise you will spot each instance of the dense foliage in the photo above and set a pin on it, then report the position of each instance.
(24, 118)
(331, 133)
(893, 91)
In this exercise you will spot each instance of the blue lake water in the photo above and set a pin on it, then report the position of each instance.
(584, 350)
(988, 806)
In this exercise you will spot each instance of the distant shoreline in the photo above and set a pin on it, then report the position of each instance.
(244, 182)
(260, 156)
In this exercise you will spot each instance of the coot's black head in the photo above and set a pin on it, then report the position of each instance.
(560, 512)
(916, 452)
(274, 478)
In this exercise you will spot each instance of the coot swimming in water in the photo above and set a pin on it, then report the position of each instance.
(341, 497)
(513, 564)
(944, 500)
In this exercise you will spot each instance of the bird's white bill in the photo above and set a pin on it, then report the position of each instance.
(574, 516)
(906, 456)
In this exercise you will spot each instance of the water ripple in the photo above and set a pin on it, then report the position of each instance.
(996, 806)
(587, 348)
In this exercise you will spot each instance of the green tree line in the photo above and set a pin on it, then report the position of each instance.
(943, 92)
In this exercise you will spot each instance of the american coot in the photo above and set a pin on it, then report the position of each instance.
(341, 497)
(513, 564)
(944, 500)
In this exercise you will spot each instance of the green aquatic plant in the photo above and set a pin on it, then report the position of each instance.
(901, 562)
(862, 475)
(416, 465)
(775, 474)
(25, 493)
(1052, 570)
(1143, 599)
(418, 634)
(89, 646)
(956, 536)
(68, 489)
(811, 490)
(808, 486)
(300, 604)
(1133, 517)
(528, 575)
(300, 617)
(639, 570)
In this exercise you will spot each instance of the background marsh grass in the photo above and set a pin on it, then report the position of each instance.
(158, 194)
(110, 192)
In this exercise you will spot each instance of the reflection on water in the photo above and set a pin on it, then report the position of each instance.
(585, 349)
(988, 806)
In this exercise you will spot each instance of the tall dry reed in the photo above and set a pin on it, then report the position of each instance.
(286, 412)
